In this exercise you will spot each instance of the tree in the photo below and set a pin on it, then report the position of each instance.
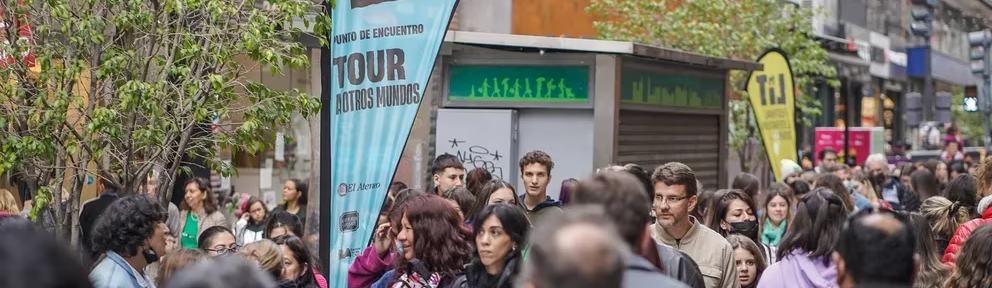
(737, 29)
(970, 123)
(128, 85)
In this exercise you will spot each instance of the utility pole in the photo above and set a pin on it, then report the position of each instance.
(923, 15)
(981, 45)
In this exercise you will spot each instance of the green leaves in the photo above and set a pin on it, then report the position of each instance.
(121, 82)
(738, 29)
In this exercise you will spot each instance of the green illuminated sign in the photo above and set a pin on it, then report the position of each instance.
(519, 83)
(671, 90)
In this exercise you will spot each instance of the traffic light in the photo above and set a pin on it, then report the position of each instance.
(979, 56)
(943, 107)
(922, 17)
(971, 101)
(914, 109)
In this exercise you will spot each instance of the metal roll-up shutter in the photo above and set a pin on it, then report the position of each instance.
(650, 139)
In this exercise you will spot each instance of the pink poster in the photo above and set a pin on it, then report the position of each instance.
(860, 146)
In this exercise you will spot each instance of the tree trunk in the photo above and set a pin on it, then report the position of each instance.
(78, 178)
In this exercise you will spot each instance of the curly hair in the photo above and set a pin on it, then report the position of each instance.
(984, 174)
(538, 157)
(440, 239)
(127, 224)
(974, 261)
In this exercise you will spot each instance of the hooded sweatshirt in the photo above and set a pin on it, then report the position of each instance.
(548, 207)
(799, 271)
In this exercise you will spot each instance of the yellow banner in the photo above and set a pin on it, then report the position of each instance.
(773, 97)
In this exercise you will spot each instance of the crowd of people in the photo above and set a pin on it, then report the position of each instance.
(136, 241)
(914, 225)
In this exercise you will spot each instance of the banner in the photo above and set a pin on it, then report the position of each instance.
(772, 93)
(383, 54)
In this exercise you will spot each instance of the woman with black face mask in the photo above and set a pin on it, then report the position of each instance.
(733, 213)
(129, 235)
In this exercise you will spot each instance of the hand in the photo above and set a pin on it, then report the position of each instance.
(383, 239)
(245, 216)
(170, 243)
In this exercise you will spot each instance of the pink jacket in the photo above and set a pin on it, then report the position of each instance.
(321, 281)
(368, 268)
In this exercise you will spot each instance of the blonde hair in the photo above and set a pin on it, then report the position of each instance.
(944, 216)
(8, 203)
(267, 253)
(176, 261)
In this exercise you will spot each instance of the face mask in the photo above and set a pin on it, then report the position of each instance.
(150, 256)
(748, 229)
(879, 179)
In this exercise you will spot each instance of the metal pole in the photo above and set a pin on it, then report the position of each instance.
(987, 94)
(929, 112)
(848, 98)
(987, 137)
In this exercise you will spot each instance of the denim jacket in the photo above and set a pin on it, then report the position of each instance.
(113, 272)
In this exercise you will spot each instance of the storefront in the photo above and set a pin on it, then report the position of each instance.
(588, 103)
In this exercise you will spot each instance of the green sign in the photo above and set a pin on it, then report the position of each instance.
(519, 83)
(671, 90)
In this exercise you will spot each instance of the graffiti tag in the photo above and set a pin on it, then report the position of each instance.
(479, 157)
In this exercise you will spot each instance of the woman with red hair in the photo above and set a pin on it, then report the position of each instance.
(431, 244)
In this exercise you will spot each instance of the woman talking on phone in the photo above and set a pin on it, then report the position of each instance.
(251, 226)
(377, 259)
(432, 244)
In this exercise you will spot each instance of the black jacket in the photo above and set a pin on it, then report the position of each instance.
(908, 201)
(680, 266)
(88, 213)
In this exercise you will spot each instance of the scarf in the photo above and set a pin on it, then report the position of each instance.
(772, 235)
(414, 280)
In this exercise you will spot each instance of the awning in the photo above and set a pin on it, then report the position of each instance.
(847, 59)
(849, 66)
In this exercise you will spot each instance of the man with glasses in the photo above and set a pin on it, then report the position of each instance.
(674, 198)
(827, 156)
(876, 249)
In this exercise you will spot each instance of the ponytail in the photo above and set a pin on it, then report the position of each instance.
(944, 216)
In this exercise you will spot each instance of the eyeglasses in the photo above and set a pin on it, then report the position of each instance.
(224, 251)
(669, 199)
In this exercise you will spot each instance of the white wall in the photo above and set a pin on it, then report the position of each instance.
(564, 134)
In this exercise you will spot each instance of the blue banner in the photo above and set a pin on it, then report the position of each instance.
(383, 54)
